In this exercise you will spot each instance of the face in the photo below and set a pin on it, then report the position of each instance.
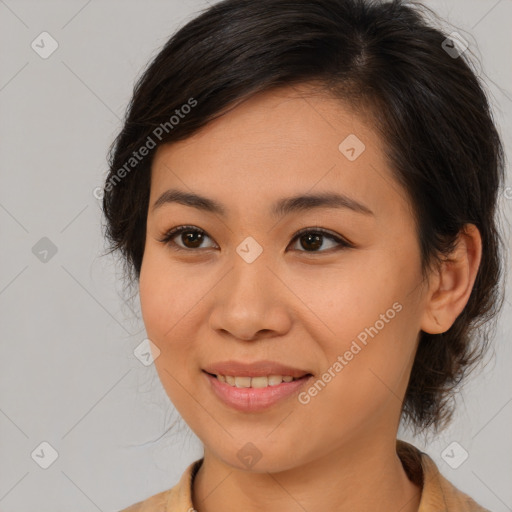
(260, 288)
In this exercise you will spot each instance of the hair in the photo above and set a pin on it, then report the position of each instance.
(381, 58)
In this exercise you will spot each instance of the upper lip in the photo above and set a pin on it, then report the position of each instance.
(254, 369)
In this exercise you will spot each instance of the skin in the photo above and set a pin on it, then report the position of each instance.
(295, 305)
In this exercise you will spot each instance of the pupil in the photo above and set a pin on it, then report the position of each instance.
(189, 236)
(316, 239)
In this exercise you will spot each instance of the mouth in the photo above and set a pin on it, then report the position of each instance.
(263, 381)
(254, 387)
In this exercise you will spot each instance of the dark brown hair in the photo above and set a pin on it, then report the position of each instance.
(385, 58)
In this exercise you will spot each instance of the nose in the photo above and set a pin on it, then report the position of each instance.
(250, 302)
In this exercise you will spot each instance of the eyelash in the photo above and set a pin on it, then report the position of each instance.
(174, 232)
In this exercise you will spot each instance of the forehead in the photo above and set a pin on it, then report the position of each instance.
(277, 143)
(293, 121)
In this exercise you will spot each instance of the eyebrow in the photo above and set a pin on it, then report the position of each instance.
(281, 207)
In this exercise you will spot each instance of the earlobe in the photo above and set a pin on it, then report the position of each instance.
(451, 288)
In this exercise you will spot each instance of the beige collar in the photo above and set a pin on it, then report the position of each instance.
(438, 494)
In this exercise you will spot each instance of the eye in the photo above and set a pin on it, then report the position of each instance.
(192, 237)
(311, 239)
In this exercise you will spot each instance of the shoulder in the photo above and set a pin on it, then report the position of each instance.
(178, 497)
(444, 493)
(155, 503)
(437, 492)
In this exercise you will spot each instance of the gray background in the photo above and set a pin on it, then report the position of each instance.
(68, 374)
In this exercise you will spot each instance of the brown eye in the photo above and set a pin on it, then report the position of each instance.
(191, 238)
(194, 238)
(313, 239)
(310, 240)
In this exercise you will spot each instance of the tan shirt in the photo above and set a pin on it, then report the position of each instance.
(438, 494)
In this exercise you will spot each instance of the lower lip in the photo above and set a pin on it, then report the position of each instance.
(254, 399)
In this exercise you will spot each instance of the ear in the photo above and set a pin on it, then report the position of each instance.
(451, 287)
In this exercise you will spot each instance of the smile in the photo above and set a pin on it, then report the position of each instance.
(254, 394)
(255, 382)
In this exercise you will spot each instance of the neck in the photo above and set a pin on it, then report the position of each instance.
(364, 476)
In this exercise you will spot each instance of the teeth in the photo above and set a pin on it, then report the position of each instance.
(274, 380)
(243, 382)
(255, 382)
(259, 382)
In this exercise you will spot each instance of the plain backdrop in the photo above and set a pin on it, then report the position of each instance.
(68, 374)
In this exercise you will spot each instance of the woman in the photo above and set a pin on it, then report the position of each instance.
(304, 193)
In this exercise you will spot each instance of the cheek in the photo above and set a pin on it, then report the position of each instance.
(365, 376)
(164, 295)
(353, 297)
(171, 308)
(373, 324)
(154, 302)
(164, 311)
